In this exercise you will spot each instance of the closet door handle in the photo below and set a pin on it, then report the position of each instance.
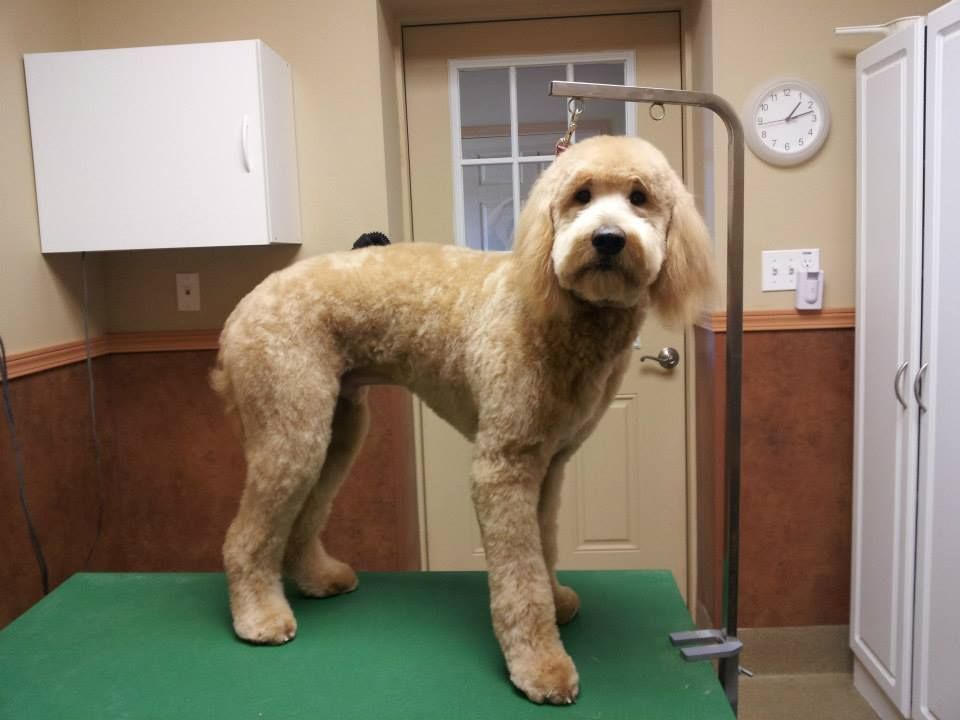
(244, 127)
(896, 383)
(917, 386)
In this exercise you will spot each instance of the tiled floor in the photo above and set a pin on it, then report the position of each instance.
(799, 674)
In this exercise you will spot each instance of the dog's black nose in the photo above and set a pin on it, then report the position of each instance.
(608, 240)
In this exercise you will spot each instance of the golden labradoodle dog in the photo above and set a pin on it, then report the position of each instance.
(522, 352)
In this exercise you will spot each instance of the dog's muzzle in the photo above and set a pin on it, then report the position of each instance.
(608, 240)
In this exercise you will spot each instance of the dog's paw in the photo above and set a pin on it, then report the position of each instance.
(332, 577)
(567, 603)
(547, 678)
(270, 625)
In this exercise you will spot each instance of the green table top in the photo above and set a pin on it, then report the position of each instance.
(404, 645)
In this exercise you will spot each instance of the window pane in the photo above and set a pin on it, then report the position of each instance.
(529, 172)
(601, 117)
(485, 113)
(540, 117)
(488, 206)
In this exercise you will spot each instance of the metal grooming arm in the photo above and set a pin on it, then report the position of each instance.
(710, 644)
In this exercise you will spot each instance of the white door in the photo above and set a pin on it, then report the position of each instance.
(480, 122)
(937, 655)
(889, 244)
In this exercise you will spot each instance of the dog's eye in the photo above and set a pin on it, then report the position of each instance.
(638, 197)
(582, 196)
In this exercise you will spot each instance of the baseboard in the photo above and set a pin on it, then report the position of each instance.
(813, 649)
(874, 695)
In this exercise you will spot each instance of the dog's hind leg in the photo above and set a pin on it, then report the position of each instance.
(316, 573)
(286, 434)
(564, 598)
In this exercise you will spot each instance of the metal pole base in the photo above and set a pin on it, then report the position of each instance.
(697, 645)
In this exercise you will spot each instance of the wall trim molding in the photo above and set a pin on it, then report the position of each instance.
(790, 319)
(54, 356)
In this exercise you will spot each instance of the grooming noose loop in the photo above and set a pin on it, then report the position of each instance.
(575, 106)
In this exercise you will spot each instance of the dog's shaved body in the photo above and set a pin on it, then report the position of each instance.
(522, 352)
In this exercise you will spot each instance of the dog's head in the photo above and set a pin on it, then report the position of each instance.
(611, 223)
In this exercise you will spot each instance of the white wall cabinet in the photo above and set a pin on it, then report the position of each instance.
(905, 605)
(163, 147)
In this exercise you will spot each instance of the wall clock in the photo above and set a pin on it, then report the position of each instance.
(786, 122)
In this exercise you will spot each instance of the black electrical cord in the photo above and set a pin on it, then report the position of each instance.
(18, 460)
(93, 408)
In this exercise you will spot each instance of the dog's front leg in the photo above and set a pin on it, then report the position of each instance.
(506, 491)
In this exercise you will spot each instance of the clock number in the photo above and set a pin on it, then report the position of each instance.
(773, 97)
(760, 120)
(786, 146)
(810, 132)
(763, 133)
(801, 96)
(800, 140)
(764, 107)
(809, 104)
(787, 92)
(774, 142)
(814, 118)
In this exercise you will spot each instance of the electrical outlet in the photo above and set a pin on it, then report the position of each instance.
(780, 267)
(188, 292)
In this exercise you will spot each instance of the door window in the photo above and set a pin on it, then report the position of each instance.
(505, 127)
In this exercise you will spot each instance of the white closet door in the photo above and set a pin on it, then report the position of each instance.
(937, 690)
(889, 235)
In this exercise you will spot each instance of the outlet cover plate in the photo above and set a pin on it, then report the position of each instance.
(780, 267)
(188, 292)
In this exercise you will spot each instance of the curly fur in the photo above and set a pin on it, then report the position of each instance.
(522, 352)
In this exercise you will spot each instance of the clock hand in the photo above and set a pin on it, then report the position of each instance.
(777, 122)
(787, 119)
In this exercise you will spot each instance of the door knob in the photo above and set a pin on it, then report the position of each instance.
(668, 358)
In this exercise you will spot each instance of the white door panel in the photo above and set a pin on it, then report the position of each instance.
(167, 126)
(889, 153)
(937, 692)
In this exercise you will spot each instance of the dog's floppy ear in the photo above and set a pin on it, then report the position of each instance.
(686, 282)
(533, 239)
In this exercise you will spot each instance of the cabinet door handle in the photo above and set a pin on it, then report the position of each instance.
(244, 125)
(917, 388)
(896, 382)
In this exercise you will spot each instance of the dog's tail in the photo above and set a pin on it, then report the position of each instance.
(221, 384)
(370, 239)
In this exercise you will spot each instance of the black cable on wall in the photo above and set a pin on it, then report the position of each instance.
(18, 462)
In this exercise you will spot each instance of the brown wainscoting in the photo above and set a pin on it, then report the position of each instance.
(173, 473)
(53, 426)
(797, 450)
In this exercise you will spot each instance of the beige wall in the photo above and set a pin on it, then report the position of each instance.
(40, 298)
(351, 140)
(346, 141)
(811, 205)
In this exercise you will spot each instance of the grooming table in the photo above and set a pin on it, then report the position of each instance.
(404, 645)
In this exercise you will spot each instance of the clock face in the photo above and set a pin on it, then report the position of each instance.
(788, 122)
